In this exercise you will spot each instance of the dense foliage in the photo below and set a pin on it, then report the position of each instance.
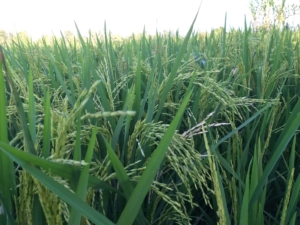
(151, 129)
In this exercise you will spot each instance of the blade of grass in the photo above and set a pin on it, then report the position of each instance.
(31, 110)
(175, 67)
(244, 212)
(47, 127)
(5, 218)
(120, 124)
(292, 208)
(287, 133)
(7, 178)
(123, 178)
(136, 199)
(138, 91)
(63, 170)
(190, 87)
(240, 127)
(220, 197)
(20, 110)
(296, 187)
(75, 216)
(61, 192)
(58, 74)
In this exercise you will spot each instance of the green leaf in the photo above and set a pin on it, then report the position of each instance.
(47, 127)
(63, 170)
(136, 199)
(7, 177)
(75, 217)
(123, 178)
(60, 191)
(287, 133)
(244, 216)
(21, 113)
(31, 110)
(173, 73)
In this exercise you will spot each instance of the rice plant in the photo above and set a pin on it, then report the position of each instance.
(161, 129)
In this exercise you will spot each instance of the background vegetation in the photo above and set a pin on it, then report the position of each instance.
(162, 129)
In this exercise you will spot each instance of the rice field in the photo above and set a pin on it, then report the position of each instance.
(162, 129)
